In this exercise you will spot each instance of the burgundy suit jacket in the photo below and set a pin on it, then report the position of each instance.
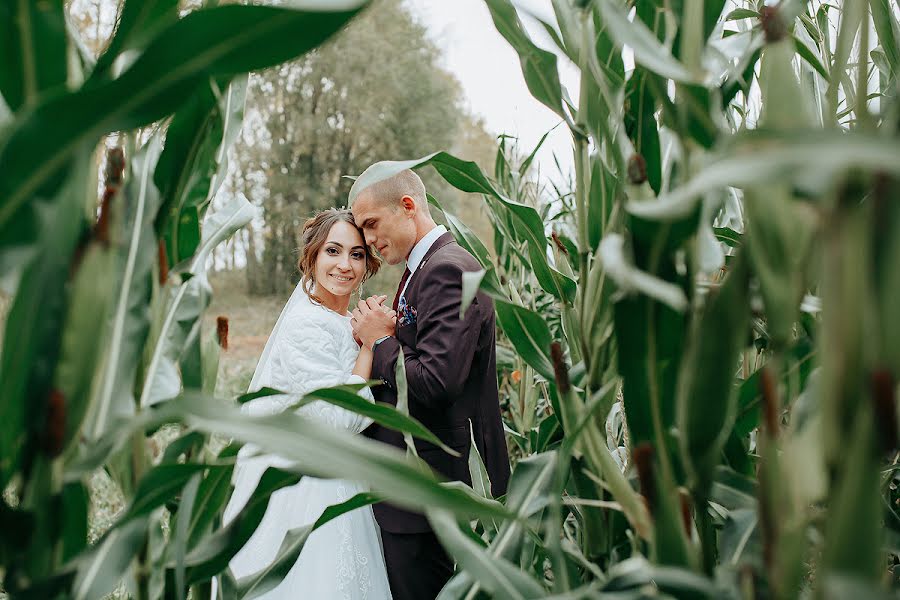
(451, 373)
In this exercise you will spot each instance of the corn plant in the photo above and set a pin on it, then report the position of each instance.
(727, 262)
(724, 259)
(105, 363)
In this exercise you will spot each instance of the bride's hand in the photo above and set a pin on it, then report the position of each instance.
(380, 300)
(390, 312)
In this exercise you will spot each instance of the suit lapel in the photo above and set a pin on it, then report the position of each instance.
(439, 243)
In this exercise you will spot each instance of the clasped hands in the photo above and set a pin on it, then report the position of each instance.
(371, 320)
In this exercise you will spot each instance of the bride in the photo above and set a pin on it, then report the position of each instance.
(311, 347)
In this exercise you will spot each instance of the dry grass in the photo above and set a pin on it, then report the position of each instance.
(250, 320)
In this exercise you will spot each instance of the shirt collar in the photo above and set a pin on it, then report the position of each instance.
(421, 249)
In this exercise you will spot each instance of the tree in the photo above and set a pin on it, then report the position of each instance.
(375, 92)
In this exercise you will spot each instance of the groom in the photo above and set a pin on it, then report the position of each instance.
(450, 364)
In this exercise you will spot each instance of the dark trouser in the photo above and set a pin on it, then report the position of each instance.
(417, 565)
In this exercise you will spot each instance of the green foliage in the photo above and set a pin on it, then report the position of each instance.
(34, 51)
(708, 320)
(104, 341)
(698, 358)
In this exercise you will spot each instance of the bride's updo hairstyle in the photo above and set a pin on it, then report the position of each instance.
(315, 234)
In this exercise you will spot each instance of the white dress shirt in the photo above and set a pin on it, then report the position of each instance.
(419, 251)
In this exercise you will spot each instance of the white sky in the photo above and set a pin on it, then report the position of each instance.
(491, 77)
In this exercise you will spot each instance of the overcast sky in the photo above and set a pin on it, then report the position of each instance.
(491, 77)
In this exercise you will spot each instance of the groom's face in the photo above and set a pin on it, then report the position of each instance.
(388, 228)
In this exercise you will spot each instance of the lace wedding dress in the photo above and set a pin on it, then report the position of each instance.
(310, 347)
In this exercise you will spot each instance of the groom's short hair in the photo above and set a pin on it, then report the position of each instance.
(391, 189)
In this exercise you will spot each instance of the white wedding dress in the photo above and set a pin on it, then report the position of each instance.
(310, 347)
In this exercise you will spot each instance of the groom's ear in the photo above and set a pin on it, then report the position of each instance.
(408, 204)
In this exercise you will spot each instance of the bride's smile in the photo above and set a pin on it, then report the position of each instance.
(340, 266)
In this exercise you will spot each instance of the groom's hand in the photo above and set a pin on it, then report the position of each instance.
(372, 320)
(380, 300)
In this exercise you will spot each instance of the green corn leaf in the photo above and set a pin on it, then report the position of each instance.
(80, 352)
(528, 493)
(212, 553)
(636, 572)
(187, 302)
(853, 532)
(161, 484)
(526, 164)
(263, 392)
(481, 481)
(569, 31)
(179, 541)
(212, 497)
(885, 19)
(387, 416)
(32, 51)
(707, 398)
(648, 51)
(766, 157)
(604, 195)
(650, 336)
(740, 540)
(75, 507)
(631, 279)
(538, 65)
(264, 580)
(733, 490)
(232, 110)
(327, 453)
(640, 124)
(334, 511)
(138, 21)
(403, 401)
(257, 584)
(779, 237)
(215, 42)
(128, 324)
(811, 57)
(34, 324)
(101, 569)
(530, 335)
(471, 283)
(741, 13)
(185, 170)
(728, 236)
(740, 78)
(466, 238)
(608, 54)
(497, 576)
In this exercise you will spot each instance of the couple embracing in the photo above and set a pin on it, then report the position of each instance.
(385, 551)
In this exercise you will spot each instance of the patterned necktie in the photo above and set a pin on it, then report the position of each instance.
(406, 275)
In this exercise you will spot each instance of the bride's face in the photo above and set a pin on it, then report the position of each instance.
(341, 262)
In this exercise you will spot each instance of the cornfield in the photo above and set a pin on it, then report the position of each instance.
(699, 361)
